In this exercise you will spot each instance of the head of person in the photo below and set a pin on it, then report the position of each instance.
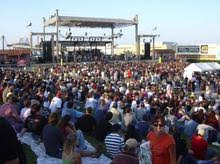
(115, 128)
(27, 103)
(108, 116)
(89, 110)
(158, 124)
(142, 105)
(53, 119)
(11, 98)
(35, 109)
(131, 144)
(131, 131)
(127, 110)
(102, 102)
(64, 121)
(59, 94)
(70, 104)
(69, 143)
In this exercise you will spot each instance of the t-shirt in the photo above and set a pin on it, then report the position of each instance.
(55, 104)
(160, 147)
(199, 146)
(25, 112)
(114, 144)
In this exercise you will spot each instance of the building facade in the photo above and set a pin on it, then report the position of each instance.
(198, 52)
(166, 50)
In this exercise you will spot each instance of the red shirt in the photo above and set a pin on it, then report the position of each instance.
(160, 147)
(199, 146)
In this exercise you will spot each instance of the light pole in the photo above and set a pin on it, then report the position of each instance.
(57, 38)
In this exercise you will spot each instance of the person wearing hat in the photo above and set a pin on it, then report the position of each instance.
(128, 155)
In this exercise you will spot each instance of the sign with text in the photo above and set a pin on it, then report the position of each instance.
(188, 49)
(204, 49)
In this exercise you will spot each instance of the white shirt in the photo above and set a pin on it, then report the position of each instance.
(25, 112)
(55, 104)
(91, 102)
(206, 128)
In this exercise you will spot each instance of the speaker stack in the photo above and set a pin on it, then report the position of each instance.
(147, 51)
(47, 51)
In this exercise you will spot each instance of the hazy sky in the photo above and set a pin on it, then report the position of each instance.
(182, 21)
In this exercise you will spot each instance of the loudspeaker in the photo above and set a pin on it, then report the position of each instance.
(147, 51)
(47, 51)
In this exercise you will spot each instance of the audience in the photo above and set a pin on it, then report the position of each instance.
(130, 94)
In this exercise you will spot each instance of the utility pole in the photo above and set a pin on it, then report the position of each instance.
(3, 42)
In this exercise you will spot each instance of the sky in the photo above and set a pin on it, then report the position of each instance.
(181, 21)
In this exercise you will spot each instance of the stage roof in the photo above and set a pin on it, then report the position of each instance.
(69, 21)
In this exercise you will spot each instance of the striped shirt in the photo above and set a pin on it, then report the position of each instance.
(114, 144)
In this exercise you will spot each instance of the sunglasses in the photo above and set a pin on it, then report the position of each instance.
(160, 125)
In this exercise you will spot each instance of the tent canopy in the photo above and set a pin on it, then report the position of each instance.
(70, 21)
(200, 67)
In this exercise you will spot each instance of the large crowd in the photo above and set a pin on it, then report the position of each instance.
(142, 112)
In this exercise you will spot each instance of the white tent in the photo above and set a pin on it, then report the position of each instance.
(200, 67)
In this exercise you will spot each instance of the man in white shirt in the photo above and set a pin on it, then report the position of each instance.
(56, 103)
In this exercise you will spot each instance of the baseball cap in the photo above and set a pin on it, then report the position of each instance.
(201, 132)
(131, 143)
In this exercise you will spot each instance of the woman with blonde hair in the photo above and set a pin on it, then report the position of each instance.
(69, 156)
(72, 155)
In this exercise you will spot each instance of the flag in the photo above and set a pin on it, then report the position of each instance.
(30, 24)
(155, 28)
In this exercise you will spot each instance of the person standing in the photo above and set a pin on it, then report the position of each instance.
(162, 144)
